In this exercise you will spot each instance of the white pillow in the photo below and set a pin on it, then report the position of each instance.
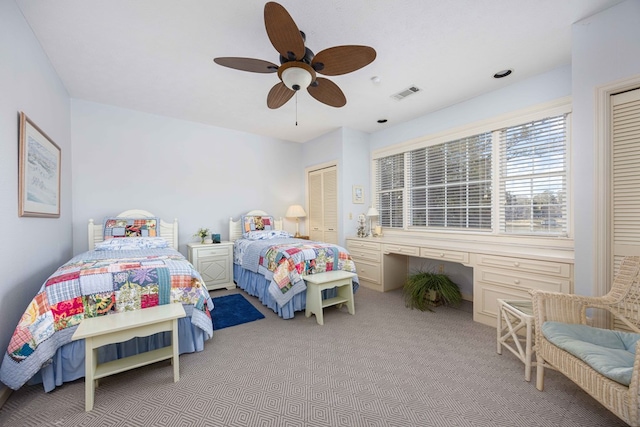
(265, 235)
(131, 243)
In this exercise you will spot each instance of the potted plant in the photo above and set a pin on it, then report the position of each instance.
(426, 289)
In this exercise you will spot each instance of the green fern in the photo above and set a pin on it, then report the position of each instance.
(419, 285)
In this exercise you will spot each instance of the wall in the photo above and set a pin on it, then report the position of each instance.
(200, 174)
(350, 150)
(545, 87)
(32, 247)
(606, 48)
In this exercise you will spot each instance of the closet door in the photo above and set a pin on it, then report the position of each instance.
(330, 205)
(625, 175)
(316, 231)
(323, 205)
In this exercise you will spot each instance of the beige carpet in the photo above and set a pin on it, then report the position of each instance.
(385, 366)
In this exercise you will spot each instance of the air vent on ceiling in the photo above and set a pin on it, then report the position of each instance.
(406, 92)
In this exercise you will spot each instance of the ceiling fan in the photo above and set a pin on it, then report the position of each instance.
(299, 66)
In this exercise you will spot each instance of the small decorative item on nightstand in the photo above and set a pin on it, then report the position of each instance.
(215, 238)
(202, 233)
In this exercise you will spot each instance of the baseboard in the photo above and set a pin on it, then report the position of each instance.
(467, 297)
(5, 392)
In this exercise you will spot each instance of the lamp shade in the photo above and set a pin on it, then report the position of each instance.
(372, 212)
(295, 211)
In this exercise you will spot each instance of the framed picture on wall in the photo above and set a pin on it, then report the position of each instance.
(358, 194)
(39, 172)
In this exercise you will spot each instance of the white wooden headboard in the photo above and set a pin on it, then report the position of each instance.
(235, 227)
(168, 230)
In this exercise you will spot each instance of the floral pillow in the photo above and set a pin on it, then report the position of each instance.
(257, 223)
(265, 235)
(132, 243)
(130, 227)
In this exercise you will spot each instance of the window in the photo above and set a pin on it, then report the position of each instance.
(450, 185)
(533, 177)
(390, 190)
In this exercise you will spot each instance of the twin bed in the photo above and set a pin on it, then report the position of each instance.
(269, 263)
(133, 263)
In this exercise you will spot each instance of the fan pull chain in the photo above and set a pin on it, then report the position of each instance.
(297, 108)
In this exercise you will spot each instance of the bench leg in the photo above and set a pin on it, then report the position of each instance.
(346, 291)
(175, 361)
(90, 365)
(314, 303)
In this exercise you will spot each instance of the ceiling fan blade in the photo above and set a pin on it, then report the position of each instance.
(279, 95)
(328, 93)
(342, 59)
(283, 31)
(247, 64)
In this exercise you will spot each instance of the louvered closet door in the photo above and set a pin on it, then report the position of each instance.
(625, 178)
(330, 205)
(315, 206)
(323, 205)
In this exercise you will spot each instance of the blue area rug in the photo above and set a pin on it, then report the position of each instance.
(232, 310)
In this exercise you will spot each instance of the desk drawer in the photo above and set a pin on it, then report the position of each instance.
(549, 268)
(354, 244)
(446, 255)
(390, 248)
(525, 281)
(368, 271)
(360, 255)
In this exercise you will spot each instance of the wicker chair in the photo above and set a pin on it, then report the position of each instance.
(623, 302)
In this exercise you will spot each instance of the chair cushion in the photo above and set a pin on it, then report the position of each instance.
(611, 353)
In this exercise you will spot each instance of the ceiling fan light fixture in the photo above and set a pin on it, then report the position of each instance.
(296, 78)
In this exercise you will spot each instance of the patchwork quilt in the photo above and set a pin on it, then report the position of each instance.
(99, 283)
(285, 262)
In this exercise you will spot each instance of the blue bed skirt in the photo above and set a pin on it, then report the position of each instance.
(256, 285)
(67, 363)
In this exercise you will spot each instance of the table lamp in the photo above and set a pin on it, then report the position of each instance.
(297, 212)
(372, 212)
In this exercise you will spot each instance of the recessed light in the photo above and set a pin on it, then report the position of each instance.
(503, 73)
(382, 121)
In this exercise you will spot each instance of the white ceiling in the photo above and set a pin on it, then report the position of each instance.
(157, 55)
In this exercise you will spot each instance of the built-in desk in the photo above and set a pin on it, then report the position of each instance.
(501, 270)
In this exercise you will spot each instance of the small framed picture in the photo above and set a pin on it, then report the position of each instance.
(358, 194)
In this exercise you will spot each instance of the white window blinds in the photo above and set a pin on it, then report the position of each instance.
(450, 184)
(390, 190)
(533, 177)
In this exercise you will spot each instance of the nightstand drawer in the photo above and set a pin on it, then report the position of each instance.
(207, 252)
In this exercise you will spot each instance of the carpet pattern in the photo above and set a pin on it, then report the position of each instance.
(232, 310)
(385, 366)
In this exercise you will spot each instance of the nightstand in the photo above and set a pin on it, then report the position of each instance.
(214, 262)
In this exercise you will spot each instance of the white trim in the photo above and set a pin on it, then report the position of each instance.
(552, 108)
(602, 270)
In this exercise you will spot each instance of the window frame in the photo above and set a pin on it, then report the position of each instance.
(494, 126)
